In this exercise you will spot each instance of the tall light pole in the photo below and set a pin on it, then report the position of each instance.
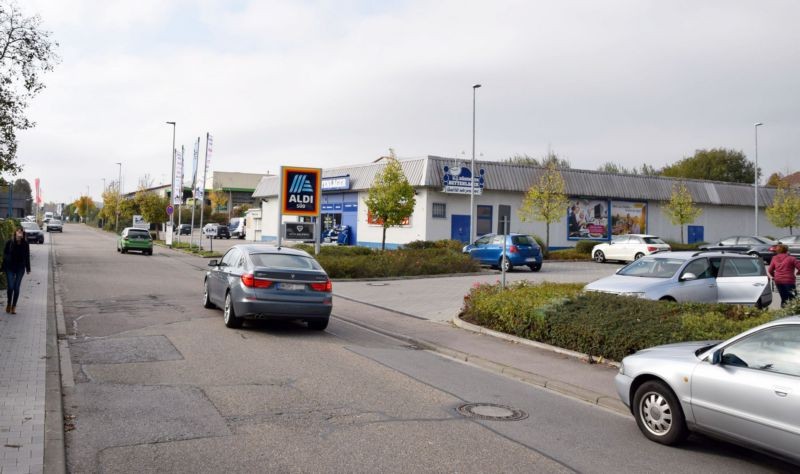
(755, 181)
(86, 218)
(119, 194)
(472, 232)
(172, 178)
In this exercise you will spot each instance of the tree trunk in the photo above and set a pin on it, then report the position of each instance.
(547, 239)
(682, 234)
(383, 240)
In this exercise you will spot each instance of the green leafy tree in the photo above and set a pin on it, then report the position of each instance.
(785, 208)
(26, 51)
(681, 209)
(84, 206)
(390, 200)
(610, 167)
(151, 206)
(218, 199)
(716, 164)
(551, 158)
(545, 201)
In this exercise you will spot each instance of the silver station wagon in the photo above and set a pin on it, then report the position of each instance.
(265, 282)
(704, 276)
(745, 390)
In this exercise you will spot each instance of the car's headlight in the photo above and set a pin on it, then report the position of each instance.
(637, 294)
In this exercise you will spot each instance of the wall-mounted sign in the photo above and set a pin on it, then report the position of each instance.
(628, 217)
(375, 220)
(298, 231)
(350, 206)
(300, 191)
(458, 181)
(587, 219)
(140, 223)
(336, 183)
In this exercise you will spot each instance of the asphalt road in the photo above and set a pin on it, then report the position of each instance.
(160, 385)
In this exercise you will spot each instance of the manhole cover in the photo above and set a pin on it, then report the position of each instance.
(490, 411)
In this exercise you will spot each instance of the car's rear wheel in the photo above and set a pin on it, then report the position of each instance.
(505, 265)
(659, 414)
(229, 315)
(318, 324)
(535, 267)
(124, 250)
(599, 256)
(638, 256)
(206, 297)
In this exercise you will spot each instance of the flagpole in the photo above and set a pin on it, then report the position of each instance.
(203, 191)
(194, 184)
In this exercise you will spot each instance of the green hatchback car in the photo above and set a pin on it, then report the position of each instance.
(135, 239)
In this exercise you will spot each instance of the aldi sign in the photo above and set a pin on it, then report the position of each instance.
(300, 191)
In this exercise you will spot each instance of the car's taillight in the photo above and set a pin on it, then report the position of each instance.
(252, 282)
(322, 286)
(651, 249)
(513, 249)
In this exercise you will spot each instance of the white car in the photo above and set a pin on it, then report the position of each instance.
(628, 247)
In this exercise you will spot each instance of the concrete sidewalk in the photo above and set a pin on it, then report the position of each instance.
(23, 363)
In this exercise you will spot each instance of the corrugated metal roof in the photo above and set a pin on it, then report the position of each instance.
(429, 171)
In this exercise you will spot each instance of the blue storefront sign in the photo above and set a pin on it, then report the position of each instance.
(350, 207)
(459, 181)
(336, 183)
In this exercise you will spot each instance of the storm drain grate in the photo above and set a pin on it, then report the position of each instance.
(491, 411)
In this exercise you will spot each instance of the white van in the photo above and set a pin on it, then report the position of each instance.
(237, 227)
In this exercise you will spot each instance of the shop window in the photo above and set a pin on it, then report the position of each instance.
(439, 210)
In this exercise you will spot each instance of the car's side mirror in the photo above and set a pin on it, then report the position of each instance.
(213, 263)
(688, 277)
(716, 357)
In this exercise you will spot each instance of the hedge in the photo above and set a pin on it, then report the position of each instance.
(605, 325)
(363, 262)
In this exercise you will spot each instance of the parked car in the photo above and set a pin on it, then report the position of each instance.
(749, 244)
(628, 247)
(521, 250)
(236, 227)
(744, 389)
(55, 226)
(219, 231)
(133, 238)
(261, 282)
(793, 242)
(711, 277)
(32, 232)
(183, 229)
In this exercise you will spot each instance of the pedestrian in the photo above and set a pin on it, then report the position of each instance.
(783, 269)
(16, 261)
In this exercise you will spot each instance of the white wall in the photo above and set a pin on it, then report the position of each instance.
(371, 235)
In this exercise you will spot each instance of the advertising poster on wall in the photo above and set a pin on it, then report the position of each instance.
(628, 217)
(587, 219)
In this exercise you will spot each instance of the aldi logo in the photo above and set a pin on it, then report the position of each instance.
(300, 191)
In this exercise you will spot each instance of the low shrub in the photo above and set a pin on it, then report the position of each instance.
(339, 250)
(567, 254)
(678, 246)
(605, 325)
(542, 245)
(585, 246)
(454, 245)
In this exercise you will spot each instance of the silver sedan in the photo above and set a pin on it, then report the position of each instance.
(261, 282)
(745, 390)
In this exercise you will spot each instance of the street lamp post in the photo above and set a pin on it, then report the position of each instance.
(119, 194)
(755, 181)
(472, 173)
(172, 179)
(86, 218)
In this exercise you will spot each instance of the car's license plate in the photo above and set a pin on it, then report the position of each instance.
(291, 286)
(530, 259)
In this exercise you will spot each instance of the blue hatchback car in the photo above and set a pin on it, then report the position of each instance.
(521, 250)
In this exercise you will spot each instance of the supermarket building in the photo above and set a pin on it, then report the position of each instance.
(601, 205)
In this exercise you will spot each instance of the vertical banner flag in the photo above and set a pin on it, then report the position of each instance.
(201, 186)
(177, 184)
(38, 195)
(194, 165)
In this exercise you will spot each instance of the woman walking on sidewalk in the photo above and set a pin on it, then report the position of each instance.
(782, 269)
(16, 261)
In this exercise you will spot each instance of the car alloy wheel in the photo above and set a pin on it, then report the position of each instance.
(659, 414)
(206, 299)
(229, 314)
(599, 256)
(638, 256)
(505, 265)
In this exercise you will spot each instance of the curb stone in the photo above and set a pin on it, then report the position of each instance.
(519, 374)
(54, 440)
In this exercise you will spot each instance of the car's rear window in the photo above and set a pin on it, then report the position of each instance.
(652, 268)
(30, 226)
(522, 240)
(653, 240)
(284, 261)
(55, 222)
(138, 234)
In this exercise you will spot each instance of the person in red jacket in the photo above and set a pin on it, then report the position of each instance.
(783, 269)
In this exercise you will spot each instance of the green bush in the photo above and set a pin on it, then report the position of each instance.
(585, 246)
(340, 250)
(454, 245)
(567, 254)
(396, 263)
(540, 241)
(677, 246)
(605, 325)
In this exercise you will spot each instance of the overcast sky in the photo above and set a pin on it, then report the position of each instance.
(329, 83)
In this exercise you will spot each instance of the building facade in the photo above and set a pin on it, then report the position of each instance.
(601, 205)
